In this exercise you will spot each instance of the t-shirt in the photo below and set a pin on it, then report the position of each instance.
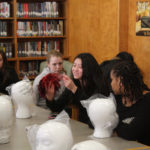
(134, 121)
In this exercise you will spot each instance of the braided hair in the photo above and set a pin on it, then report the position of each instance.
(131, 78)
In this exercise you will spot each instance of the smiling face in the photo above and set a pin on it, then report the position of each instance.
(77, 69)
(55, 64)
(116, 84)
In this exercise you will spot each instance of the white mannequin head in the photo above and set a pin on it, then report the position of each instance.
(102, 113)
(54, 135)
(6, 118)
(22, 96)
(89, 145)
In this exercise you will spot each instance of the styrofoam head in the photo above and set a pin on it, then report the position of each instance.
(54, 135)
(6, 118)
(102, 113)
(21, 92)
(22, 97)
(89, 145)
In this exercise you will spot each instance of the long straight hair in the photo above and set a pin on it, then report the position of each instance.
(92, 80)
(3, 69)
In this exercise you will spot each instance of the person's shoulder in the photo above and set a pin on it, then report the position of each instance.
(147, 96)
(43, 73)
(145, 100)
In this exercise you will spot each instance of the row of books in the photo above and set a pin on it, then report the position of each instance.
(40, 28)
(38, 48)
(30, 68)
(43, 9)
(4, 9)
(3, 28)
(7, 48)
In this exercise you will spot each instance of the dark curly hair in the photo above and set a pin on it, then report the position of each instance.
(125, 56)
(106, 67)
(131, 78)
(92, 79)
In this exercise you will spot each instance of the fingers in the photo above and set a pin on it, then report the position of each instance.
(65, 77)
(51, 87)
(50, 92)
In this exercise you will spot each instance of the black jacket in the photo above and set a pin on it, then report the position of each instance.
(68, 97)
(134, 121)
(12, 78)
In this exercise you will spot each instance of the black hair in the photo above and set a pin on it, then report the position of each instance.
(3, 69)
(5, 62)
(125, 56)
(106, 67)
(92, 79)
(131, 78)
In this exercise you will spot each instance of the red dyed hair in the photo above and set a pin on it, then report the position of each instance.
(48, 80)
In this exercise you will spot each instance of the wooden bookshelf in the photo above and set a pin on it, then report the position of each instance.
(49, 27)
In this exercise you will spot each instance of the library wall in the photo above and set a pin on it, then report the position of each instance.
(94, 28)
(139, 46)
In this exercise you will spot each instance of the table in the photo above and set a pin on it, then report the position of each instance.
(80, 132)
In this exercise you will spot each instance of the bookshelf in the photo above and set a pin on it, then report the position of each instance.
(29, 29)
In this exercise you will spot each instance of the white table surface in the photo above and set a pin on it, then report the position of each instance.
(80, 133)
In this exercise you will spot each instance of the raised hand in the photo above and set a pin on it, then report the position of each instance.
(69, 84)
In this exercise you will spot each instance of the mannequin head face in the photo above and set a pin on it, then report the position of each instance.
(6, 118)
(102, 113)
(89, 145)
(53, 136)
(23, 98)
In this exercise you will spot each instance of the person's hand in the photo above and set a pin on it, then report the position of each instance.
(69, 84)
(50, 92)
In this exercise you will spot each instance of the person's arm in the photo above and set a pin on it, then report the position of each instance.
(35, 88)
(136, 127)
(59, 104)
(36, 84)
(69, 84)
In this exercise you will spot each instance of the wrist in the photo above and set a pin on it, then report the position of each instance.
(74, 89)
(49, 98)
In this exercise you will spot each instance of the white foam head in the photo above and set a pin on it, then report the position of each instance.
(102, 113)
(6, 118)
(89, 145)
(22, 96)
(54, 135)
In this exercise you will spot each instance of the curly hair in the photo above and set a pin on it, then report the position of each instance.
(46, 81)
(125, 56)
(92, 79)
(131, 78)
(106, 67)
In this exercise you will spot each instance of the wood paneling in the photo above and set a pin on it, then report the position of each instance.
(94, 28)
(139, 46)
(123, 25)
(104, 28)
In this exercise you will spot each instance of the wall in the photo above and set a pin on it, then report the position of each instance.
(104, 28)
(94, 28)
(139, 46)
(123, 24)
